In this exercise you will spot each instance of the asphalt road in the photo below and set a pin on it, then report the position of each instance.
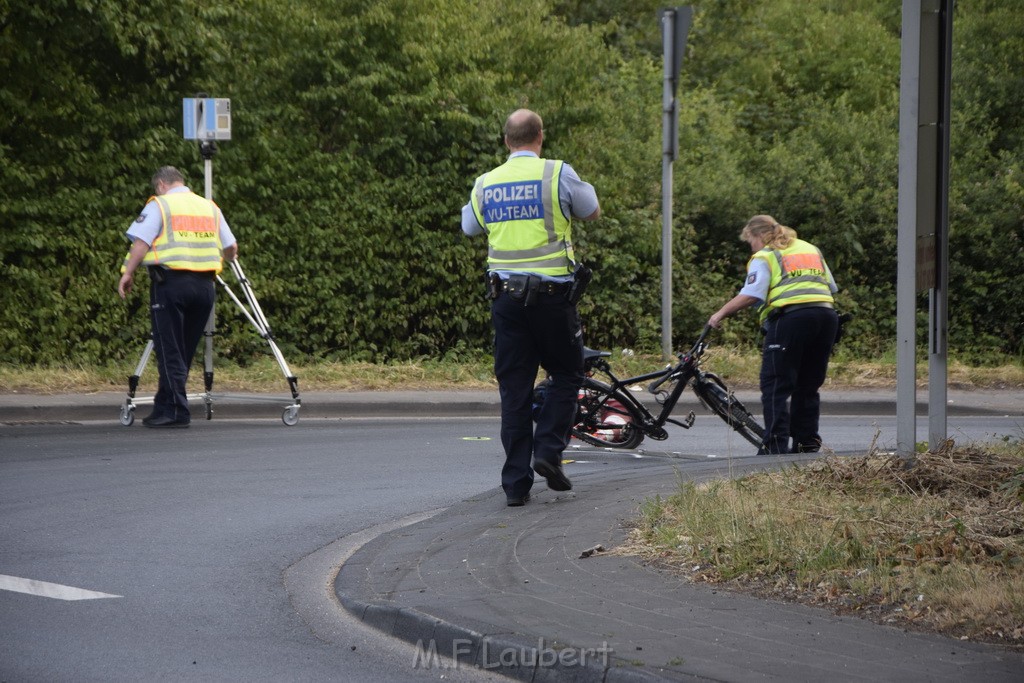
(194, 529)
(193, 536)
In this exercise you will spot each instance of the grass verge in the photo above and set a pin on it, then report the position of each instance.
(263, 375)
(739, 368)
(935, 543)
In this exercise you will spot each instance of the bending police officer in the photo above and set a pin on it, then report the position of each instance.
(182, 239)
(526, 207)
(793, 286)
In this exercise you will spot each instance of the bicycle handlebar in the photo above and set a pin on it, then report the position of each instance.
(695, 350)
(698, 346)
(703, 335)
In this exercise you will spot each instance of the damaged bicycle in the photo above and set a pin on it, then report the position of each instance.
(610, 415)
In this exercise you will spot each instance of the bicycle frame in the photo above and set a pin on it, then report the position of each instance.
(603, 405)
(683, 372)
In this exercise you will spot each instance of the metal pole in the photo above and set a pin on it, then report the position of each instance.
(906, 243)
(207, 149)
(937, 361)
(208, 172)
(668, 110)
(939, 296)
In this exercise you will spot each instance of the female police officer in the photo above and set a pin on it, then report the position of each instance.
(793, 286)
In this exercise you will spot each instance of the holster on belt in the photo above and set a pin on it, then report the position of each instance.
(843, 319)
(581, 279)
(493, 286)
(522, 287)
(156, 274)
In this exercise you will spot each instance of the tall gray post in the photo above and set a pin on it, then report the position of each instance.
(922, 212)
(941, 19)
(668, 120)
(675, 26)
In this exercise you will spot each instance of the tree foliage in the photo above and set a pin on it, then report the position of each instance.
(358, 127)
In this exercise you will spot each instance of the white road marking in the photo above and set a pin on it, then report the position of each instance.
(46, 589)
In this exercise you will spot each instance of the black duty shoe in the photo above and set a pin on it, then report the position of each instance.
(812, 445)
(557, 481)
(163, 422)
(517, 501)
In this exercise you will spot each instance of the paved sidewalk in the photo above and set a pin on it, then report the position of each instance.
(513, 590)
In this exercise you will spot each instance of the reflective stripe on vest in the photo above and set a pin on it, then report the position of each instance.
(190, 236)
(798, 276)
(517, 204)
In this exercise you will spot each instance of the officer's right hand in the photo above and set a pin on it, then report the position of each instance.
(125, 285)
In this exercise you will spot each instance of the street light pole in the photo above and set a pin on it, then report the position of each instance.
(675, 25)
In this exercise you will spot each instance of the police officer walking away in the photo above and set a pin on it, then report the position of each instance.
(526, 207)
(181, 238)
(793, 286)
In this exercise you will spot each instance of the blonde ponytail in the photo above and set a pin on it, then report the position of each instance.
(769, 230)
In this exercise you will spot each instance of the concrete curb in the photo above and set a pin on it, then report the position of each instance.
(20, 408)
(517, 657)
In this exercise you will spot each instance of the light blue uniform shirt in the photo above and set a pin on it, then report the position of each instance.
(759, 276)
(150, 222)
(576, 198)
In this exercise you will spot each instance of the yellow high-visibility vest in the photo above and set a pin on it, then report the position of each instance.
(190, 236)
(798, 276)
(517, 203)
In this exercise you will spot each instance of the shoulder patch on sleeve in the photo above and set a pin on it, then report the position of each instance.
(752, 278)
(141, 218)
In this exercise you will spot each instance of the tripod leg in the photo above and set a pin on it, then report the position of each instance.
(256, 316)
(133, 381)
(128, 407)
(251, 310)
(208, 363)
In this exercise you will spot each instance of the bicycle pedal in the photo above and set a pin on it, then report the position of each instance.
(688, 422)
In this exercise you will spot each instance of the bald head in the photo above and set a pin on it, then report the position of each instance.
(524, 130)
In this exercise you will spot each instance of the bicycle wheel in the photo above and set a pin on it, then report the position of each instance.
(712, 392)
(603, 419)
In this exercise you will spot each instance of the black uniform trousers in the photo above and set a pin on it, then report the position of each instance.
(547, 334)
(180, 307)
(797, 345)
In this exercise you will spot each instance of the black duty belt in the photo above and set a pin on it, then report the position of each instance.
(527, 287)
(545, 287)
(797, 306)
(160, 272)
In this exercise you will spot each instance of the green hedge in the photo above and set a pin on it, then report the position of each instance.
(358, 128)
